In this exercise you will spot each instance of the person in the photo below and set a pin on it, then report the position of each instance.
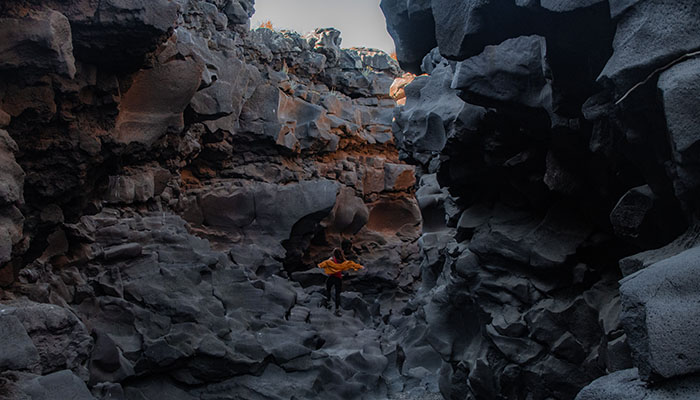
(334, 267)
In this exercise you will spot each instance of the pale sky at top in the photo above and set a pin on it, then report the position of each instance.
(360, 22)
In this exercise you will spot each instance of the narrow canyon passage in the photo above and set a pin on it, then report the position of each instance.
(519, 181)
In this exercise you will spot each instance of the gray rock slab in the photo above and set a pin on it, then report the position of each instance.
(17, 351)
(661, 316)
(626, 385)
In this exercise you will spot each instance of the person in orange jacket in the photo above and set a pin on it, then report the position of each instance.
(334, 267)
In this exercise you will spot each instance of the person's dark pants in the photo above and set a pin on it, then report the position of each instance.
(338, 283)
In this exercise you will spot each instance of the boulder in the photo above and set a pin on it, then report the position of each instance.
(239, 11)
(350, 213)
(399, 177)
(117, 34)
(464, 28)
(58, 385)
(234, 208)
(272, 209)
(677, 86)
(626, 385)
(393, 216)
(523, 238)
(40, 42)
(61, 339)
(432, 114)
(259, 115)
(632, 210)
(512, 74)
(137, 187)
(17, 351)
(636, 262)
(227, 82)
(11, 232)
(412, 27)
(154, 104)
(650, 34)
(11, 174)
(327, 42)
(214, 100)
(305, 126)
(659, 318)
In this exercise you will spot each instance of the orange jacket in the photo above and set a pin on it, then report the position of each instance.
(330, 267)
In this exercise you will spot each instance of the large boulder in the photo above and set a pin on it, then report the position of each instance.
(272, 209)
(259, 115)
(240, 11)
(38, 42)
(411, 25)
(58, 385)
(327, 42)
(61, 339)
(11, 196)
(514, 74)
(154, 103)
(117, 34)
(433, 113)
(17, 351)
(626, 385)
(305, 126)
(632, 211)
(11, 174)
(463, 28)
(650, 34)
(524, 238)
(678, 86)
(660, 319)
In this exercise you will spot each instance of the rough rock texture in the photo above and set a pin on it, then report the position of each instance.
(169, 180)
(657, 311)
(554, 142)
(626, 385)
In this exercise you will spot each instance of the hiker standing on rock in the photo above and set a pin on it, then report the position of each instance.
(334, 267)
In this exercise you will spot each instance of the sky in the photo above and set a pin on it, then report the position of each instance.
(360, 22)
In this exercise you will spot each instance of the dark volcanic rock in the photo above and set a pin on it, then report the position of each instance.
(169, 180)
(463, 28)
(38, 42)
(650, 34)
(512, 74)
(412, 26)
(627, 385)
(18, 351)
(58, 385)
(579, 152)
(676, 85)
(121, 32)
(657, 314)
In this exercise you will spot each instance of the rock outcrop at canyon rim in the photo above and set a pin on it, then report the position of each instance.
(169, 180)
(557, 148)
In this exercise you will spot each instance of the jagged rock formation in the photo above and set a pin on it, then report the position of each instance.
(555, 144)
(168, 180)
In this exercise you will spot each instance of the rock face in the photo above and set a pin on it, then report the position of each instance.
(542, 184)
(527, 217)
(169, 180)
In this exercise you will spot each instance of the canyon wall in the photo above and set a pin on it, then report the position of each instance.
(169, 180)
(556, 145)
